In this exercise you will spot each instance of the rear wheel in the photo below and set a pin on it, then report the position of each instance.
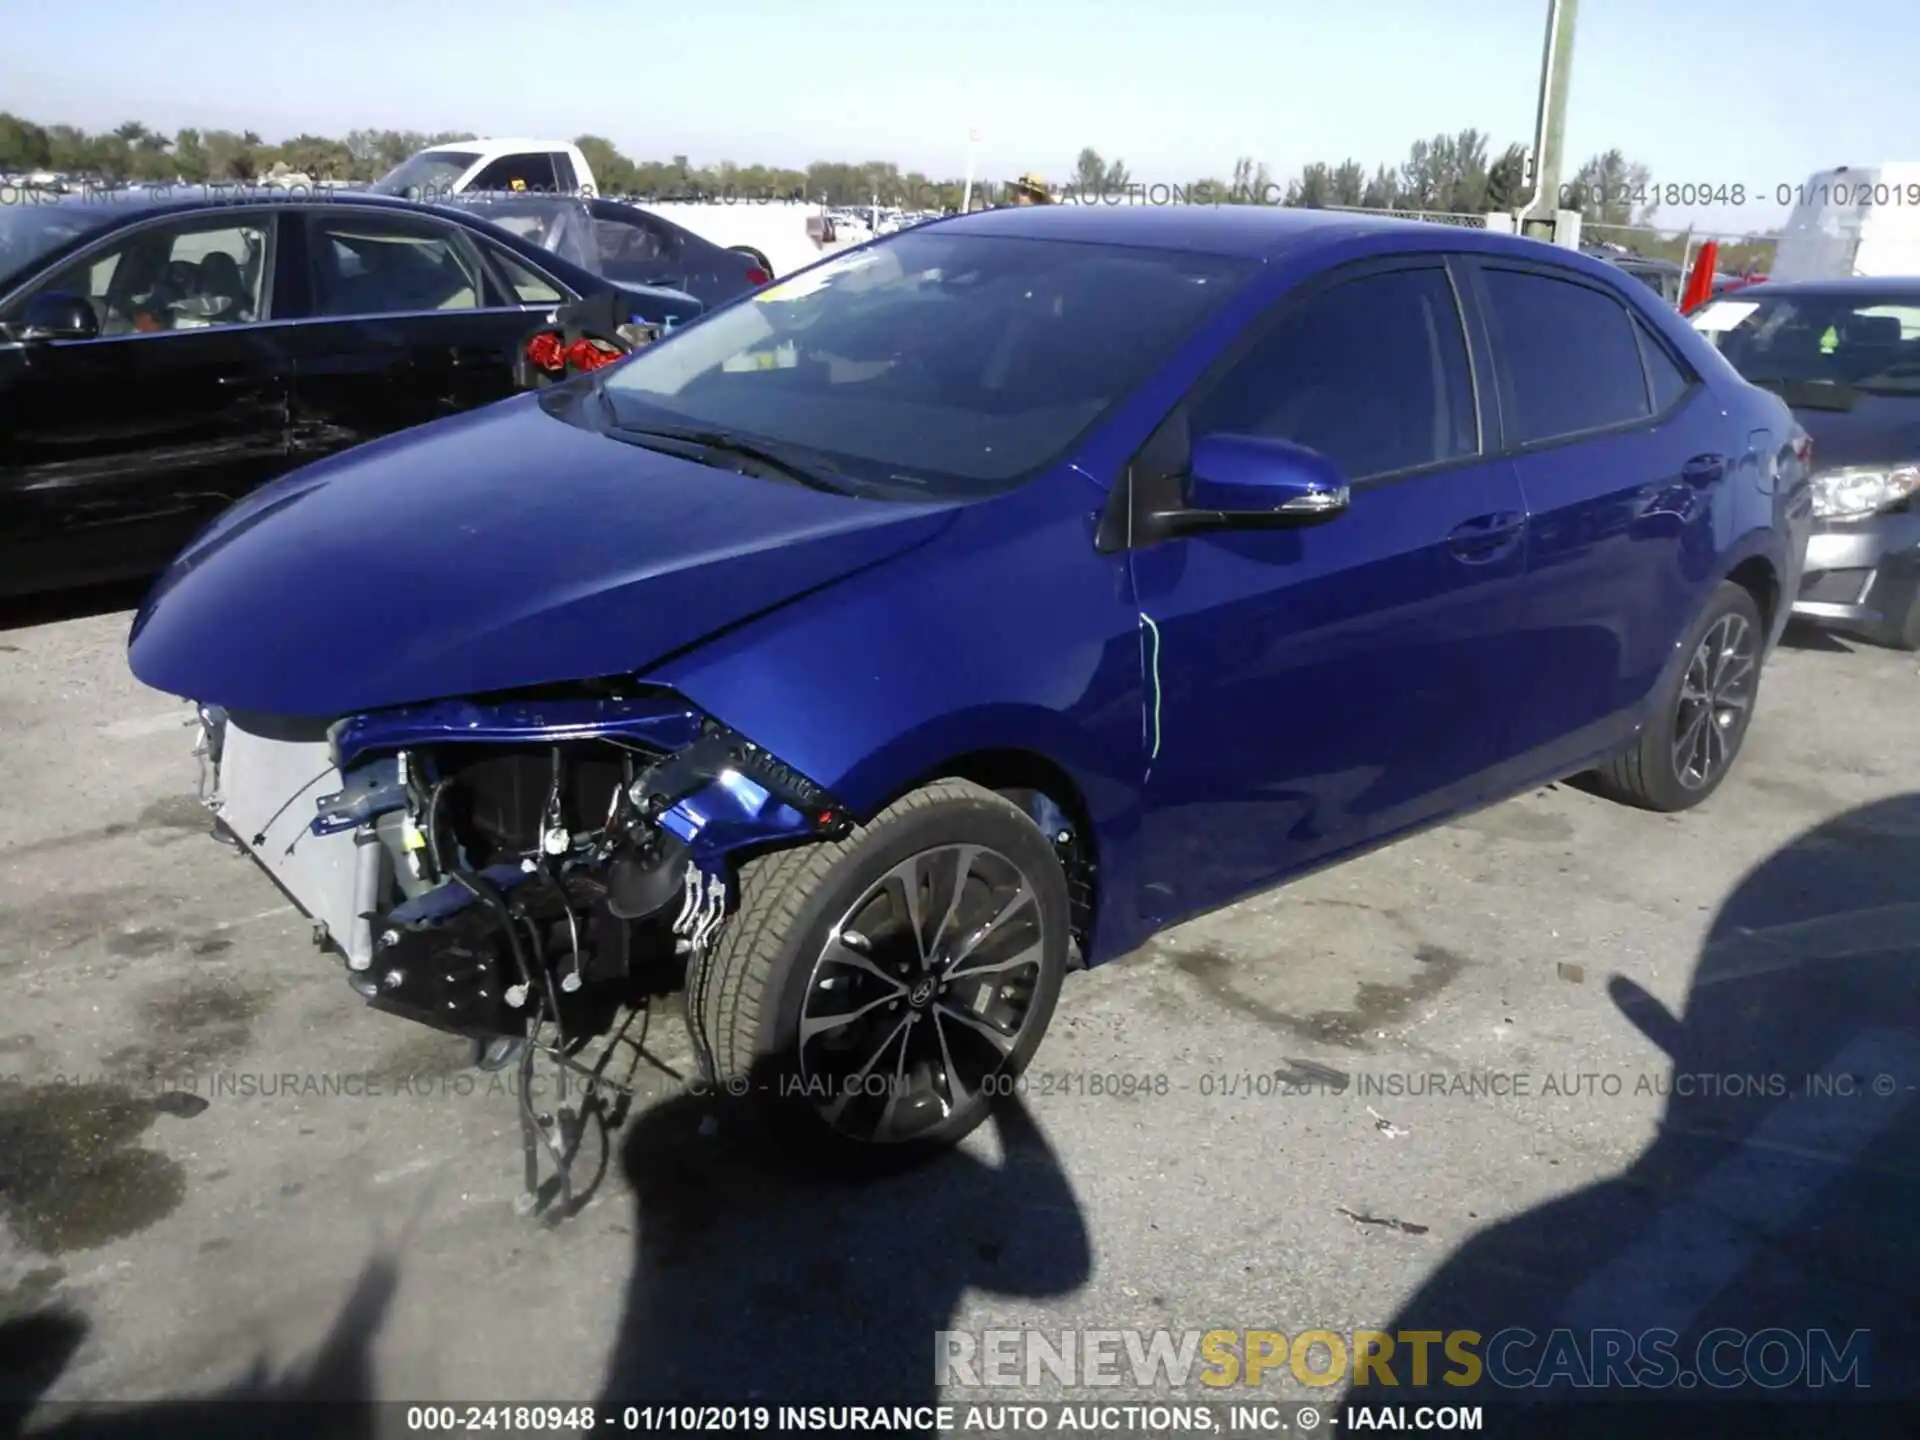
(878, 994)
(1695, 736)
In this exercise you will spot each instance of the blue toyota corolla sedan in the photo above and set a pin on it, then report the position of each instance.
(976, 603)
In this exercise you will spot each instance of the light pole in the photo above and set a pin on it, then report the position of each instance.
(973, 145)
(1556, 69)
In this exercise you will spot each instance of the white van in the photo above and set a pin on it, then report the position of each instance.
(1853, 220)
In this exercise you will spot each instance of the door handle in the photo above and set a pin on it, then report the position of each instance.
(1486, 537)
(1703, 470)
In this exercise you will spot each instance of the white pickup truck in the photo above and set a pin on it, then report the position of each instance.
(780, 236)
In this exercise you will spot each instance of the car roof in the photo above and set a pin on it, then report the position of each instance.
(1254, 232)
(1885, 287)
(184, 199)
(491, 145)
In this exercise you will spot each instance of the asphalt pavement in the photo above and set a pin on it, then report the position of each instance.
(1435, 1087)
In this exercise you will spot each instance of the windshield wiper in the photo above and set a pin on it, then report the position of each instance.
(720, 442)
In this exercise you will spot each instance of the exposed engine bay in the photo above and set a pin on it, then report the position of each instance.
(518, 870)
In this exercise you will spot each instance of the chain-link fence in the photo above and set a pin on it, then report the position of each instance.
(1437, 217)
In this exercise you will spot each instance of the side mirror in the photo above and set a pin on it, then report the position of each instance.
(55, 315)
(1247, 482)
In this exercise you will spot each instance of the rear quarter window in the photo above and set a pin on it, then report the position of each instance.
(1667, 378)
(1570, 355)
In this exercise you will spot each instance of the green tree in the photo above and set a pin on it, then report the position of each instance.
(1611, 190)
(189, 157)
(1348, 184)
(1383, 190)
(1252, 183)
(1094, 179)
(1506, 180)
(23, 145)
(231, 156)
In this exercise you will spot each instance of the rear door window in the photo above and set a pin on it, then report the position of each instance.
(1570, 354)
(377, 264)
(634, 244)
(529, 287)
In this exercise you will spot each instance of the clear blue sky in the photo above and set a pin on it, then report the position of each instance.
(1756, 94)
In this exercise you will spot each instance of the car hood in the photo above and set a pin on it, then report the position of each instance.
(1874, 430)
(494, 550)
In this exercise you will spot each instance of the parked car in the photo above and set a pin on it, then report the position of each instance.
(1663, 277)
(771, 231)
(624, 244)
(1845, 354)
(1007, 590)
(161, 358)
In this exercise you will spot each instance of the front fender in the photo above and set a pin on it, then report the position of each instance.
(1008, 632)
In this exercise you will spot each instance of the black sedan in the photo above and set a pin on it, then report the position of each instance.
(1845, 354)
(160, 357)
(623, 243)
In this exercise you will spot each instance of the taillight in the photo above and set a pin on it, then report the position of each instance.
(1803, 449)
(757, 276)
(590, 354)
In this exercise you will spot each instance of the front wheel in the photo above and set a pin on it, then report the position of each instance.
(1696, 732)
(880, 993)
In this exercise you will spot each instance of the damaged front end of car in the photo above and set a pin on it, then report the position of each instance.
(518, 869)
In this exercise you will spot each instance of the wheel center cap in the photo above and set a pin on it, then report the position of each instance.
(921, 995)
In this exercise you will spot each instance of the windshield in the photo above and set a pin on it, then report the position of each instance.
(1853, 341)
(430, 173)
(952, 362)
(31, 230)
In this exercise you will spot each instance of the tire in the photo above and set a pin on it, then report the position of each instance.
(1665, 771)
(750, 994)
(1906, 634)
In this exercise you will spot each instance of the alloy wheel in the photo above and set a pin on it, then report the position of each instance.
(922, 994)
(1716, 699)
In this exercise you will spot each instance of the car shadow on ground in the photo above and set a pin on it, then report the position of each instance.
(1803, 635)
(1777, 1195)
(755, 1278)
(758, 1278)
(322, 1399)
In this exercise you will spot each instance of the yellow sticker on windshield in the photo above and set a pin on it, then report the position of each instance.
(794, 289)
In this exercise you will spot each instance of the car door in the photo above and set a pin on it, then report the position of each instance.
(405, 323)
(1313, 689)
(116, 449)
(1619, 453)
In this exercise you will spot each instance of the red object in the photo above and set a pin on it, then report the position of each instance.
(1700, 283)
(588, 355)
(757, 276)
(547, 353)
(1803, 449)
